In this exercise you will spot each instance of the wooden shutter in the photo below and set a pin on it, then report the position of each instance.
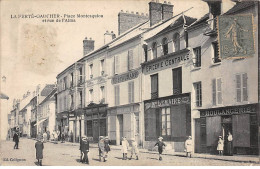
(213, 130)
(130, 59)
(238, 87)
(214, 102)
(177, 80)
(133, 92)
(129, 92)
(154, 84)
(117, 94)
(241, 130)
(219, 92)
(244, 85)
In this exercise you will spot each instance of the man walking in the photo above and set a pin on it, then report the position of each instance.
(160, 145)
(16, 140)
(84, 148)
(39, 150)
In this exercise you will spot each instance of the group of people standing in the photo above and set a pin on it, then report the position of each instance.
(220, 147)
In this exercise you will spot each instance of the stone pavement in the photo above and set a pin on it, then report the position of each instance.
(234, 158)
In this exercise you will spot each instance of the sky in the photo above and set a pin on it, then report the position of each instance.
(35, 52)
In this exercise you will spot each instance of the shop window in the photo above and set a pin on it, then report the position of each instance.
(198, 94)
(241, 87)
(166, 121)
(154, 50)
(117, 95)
(216, 91)
(165, 46)
(131, 92)
(215, 58)
(197, 53)
(176, 41)
(154, 86)
(130, 59)
(177, 80)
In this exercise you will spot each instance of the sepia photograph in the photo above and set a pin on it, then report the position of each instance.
(129, 83)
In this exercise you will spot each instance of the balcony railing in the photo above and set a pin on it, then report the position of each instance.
(154, 95)
(216, 60)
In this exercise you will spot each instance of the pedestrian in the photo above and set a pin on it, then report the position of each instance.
(160, 145)
(48, 135)
(107, 147)
(125, 146)
(39, 150)
(16, 140)
(63, 137)
(229, 144)
(188, 146)
(44, 137)
(134, 149)
(220, 145)
(71, 136)
(101, 148)
(84, 149)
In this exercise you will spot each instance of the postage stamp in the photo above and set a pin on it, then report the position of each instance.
(236, 36)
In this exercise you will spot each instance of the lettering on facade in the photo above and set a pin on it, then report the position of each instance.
(229, 111)
(167, 102)
(166, 63)
(125, 77)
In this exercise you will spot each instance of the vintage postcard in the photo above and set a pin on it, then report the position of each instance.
(129, 83)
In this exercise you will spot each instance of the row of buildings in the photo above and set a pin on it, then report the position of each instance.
(161, 76)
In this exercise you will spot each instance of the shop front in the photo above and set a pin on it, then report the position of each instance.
(95, 121)
(62, 121)
(123, 121)
(240, 121)
(170, 118)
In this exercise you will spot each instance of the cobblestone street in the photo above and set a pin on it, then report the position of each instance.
(67, 154)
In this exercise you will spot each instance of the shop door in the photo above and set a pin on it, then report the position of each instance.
(213, 131)
(103, 129)
(197, 136)
(95, 130)
(226, 127)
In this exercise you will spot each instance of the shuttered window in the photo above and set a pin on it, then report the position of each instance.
(241, 87)
(197, 53)
(177, 80)
(214, 102)
(117, 95)
(131, 92)
(198, 94)
(154, 86)
(130, 59)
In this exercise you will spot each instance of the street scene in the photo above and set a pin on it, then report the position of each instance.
(69, 155)
(170, 83)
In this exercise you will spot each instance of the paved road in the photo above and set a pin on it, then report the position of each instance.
(64, 154)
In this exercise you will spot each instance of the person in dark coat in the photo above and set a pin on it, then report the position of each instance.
(107, 147)
(39, 151)
(229, 144)
(160, 145)
(84, 148)
(16, 140)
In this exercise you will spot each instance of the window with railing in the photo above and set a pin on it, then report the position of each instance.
(216, 58)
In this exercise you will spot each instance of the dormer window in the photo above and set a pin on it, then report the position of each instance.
(176, 41)
(154, 49)
(165, 46)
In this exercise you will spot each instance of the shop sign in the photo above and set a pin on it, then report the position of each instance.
(168, 62)
(168, 101)
(229, 111)
(125, 77)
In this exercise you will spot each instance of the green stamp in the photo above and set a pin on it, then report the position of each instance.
(236, 36)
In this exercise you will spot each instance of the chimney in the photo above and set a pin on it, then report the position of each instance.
(155, 12)
(88, 45)
(127, 20)
(167, 10)
(109, 36)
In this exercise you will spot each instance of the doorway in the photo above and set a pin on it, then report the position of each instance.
(95, 130)
(120, 127)
(226, 127)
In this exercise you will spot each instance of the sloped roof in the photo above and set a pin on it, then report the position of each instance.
(240, 6)
(50, 95)
(47, 89)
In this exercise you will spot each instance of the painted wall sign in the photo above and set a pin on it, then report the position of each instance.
(168, 101)
(228, 111)
(167, 62)
(125, 77)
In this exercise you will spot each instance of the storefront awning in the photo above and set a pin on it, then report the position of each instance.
(39, 122)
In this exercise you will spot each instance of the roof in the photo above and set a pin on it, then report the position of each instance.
(3, 96)
(199, 21)
(47, 89)
(49, 95)
(240, 6)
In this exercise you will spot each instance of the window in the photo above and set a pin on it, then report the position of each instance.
(241, 87)
(71, 80)
(80, 75)
(176, 41)
(198, 94)
(116, 65)
(91, 71)
(130, 59)
(154, 50)
(177, 80)
(166, 121)
(216, 58)
(72, 102)
(102, 71)
(216, 91)
(117, 95)
(197, 53)
(91, 95)
(154, 86)
(145, 53)
(80, 99)
(102, 94)
(65, 102)
(165, 46)
(186, 38)
(131, 92)
(65, 82)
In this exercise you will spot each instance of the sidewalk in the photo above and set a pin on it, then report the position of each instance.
(235, 158)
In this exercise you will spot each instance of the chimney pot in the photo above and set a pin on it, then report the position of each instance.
(122, 11)
(86, 38)
(137, 13)
(88, 46)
